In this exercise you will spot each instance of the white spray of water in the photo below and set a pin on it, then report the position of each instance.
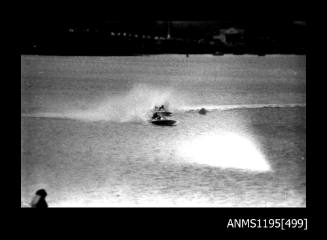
(131, 106)
(134, 105)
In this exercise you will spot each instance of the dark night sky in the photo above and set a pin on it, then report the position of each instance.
(50, 22)
(41, 27)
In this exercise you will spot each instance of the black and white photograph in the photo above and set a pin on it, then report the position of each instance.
(163, 113)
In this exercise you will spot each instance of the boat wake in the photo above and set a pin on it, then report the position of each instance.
(117, 111)
(238, 106)
(136, 104)
(133, 105)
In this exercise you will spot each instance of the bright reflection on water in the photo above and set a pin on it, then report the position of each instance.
(224, 150)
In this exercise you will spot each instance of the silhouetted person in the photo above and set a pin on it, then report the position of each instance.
(39, 199)
(156, 116)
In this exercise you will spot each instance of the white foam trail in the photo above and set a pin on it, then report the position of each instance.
(239, 106)
(134, 105)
